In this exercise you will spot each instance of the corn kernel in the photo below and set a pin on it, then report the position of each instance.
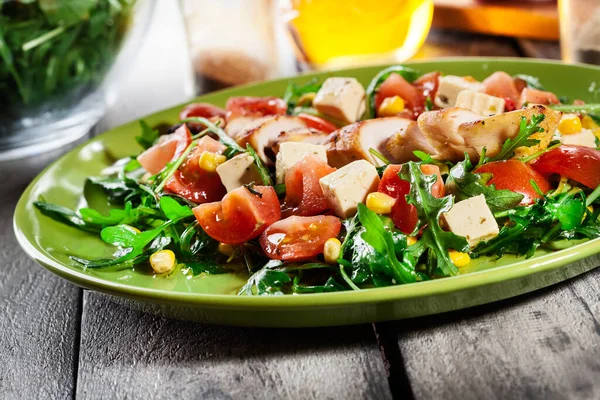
(380, 203)
(459, 259)
(331, 250)
(306, 99)
(210, 161)
(133, 228)
(569, 124)
(411, 240)
(391, 106)
(596, 133)
(225, 249)
(588, 123)
(162, 261)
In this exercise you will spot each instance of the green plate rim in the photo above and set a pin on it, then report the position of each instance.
(471, 280)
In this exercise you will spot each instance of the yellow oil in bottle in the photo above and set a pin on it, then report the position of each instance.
(344, 32)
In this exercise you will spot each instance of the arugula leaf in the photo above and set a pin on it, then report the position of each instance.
(294, 91)
(221, 134)
(173, 210)
(115, 216)
(268, 280)
(407, 73)
(532, 81)
(148, 136)
(64, 215)
(572, 108)
(331, 285)
(526, 129)
(208, 266)
(382, 241)
(465, 184)
(66, 12)
(118, 189)
(428, 104)
(429, 211)
(262, 170)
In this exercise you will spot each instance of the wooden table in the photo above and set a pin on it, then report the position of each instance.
(59, 341)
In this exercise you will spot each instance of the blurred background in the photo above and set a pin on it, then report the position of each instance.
(65, 65)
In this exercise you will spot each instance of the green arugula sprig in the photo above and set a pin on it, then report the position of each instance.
(148, 136)
(523, 139)
(294, 91)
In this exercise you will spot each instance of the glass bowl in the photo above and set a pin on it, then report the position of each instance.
(60, 63)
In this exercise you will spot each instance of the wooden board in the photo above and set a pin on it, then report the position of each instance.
(545, 345)
(505, 18)
(128, 354)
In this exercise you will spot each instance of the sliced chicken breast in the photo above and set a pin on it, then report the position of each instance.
(353, 142)
(402, 145)
(265, 135)
(301, 135)
(237, 126)
(454, 131)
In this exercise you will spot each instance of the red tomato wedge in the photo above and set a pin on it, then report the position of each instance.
(299, 238)
(317, 123)
(168, 148)
(194, 183)
(515, 175)
(241, 215)
(303, 193)
(396, 85)
(534, 96)
(579, 163)
(501, 84)
(403, 214)
(247, 106)
(428, 87)
(204, 110)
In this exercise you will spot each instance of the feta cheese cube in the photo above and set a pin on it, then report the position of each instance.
(292, 152)
(473, 219)
(480, 103)
(450, 86)
(350, 185)
(584, 138)
(238, 171)
(341, 98)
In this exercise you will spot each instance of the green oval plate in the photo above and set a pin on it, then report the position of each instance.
(212, 298)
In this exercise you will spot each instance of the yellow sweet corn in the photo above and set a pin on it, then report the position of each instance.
(569, 124)
(162, 261)
(306, 99)
(459, 259)
(210, 161)
(410, 240)
(391, 106)
(588, 123)
(380, 203)
(331, 250)
(225, 249)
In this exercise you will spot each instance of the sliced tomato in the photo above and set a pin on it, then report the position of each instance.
(428, 87)
(317, 123)
(247, 106)
(516, 176)
(396, 85)
(579, 163)
(303, 193)
(168, 148)
(534, 96)
(241, 215)
(501, 84)
(204, 110)
(299, 238)
(509, 105)
(194, 183)
(403, 214)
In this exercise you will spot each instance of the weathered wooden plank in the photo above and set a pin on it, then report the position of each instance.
(540, 48)
(39, 314)
(444, 43)
(128, 354)
(545, 345)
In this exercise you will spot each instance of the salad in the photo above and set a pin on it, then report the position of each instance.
(335, 186)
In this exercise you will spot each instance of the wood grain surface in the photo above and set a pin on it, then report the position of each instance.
(544, 345)
(128, 354)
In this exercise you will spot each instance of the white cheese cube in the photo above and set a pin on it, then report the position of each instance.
(450, 86)
(341, 98)
(584, 138)
(473, 219)
(292, 152)
(350, 185)
(240, 170)
(480, 103)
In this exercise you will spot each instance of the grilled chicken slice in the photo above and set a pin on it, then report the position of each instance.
(265, 135)
(453, 131)
(353, 142)
(237, 126)
(402, 144)
(301, 135)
